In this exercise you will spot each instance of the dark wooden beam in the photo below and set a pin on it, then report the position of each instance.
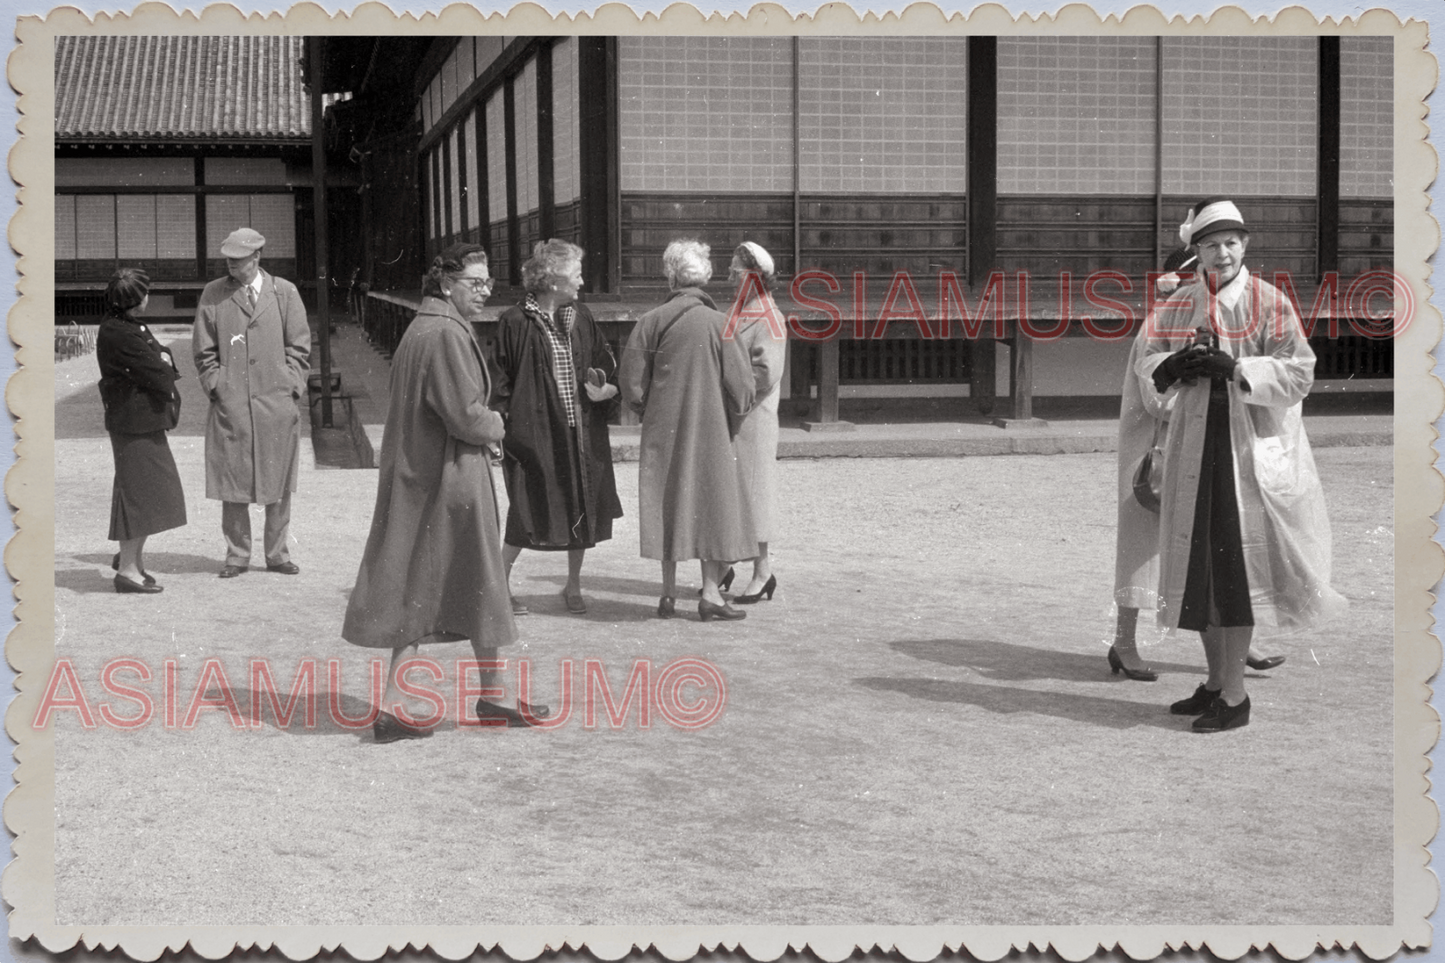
(483, 186)
(318, 191)
(600, 153)
(1329, 156)
(982, 155)
(514, 227)
(546, 192)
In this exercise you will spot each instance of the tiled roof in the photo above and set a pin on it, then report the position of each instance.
(213, 89)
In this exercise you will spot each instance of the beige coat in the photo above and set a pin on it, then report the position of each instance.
(756, 443)
(1284, 528)
(1143, 417)
(432, 570)
(253, 367)
(690, 386)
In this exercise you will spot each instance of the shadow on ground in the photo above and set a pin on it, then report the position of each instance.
(1017, 663)
(1009, 700)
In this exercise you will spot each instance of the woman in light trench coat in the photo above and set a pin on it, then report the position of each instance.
(432, 570)
(1244, 538)
(1143, 420)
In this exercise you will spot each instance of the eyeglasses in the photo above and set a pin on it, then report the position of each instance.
(479, 284)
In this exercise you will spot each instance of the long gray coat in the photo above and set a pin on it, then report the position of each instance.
(253, 367)
(433, 571)
(691, 387)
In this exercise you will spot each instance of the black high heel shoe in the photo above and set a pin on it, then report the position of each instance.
(725, 583)
(767, 589)
(1264, 664)
(707, 610)
(667, 607)
(1116, 665)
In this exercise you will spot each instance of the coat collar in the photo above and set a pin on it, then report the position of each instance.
(697, 294)
(238, 291)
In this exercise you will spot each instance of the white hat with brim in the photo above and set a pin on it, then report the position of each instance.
(1210, 217)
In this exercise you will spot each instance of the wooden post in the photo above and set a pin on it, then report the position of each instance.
(318, 189)
(828, 390)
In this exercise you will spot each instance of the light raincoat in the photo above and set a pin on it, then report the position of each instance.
(1284, 529)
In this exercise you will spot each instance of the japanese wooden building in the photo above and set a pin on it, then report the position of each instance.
(166, 144)
(900, 174)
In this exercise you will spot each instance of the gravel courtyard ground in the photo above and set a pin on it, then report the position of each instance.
(920, 727)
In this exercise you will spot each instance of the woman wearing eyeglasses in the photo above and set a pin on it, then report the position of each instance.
(554, 384)
(433, 571)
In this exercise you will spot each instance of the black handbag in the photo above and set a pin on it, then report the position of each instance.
(1149, 475)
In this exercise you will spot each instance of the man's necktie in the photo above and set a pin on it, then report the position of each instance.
(251, 297)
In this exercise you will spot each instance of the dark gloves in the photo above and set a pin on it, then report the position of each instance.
(1184, 365)
(1218, 365)
(1191, 362)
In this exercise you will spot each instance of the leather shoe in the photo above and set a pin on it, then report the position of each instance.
(126, 586)
(1196, 704)
(231, 571)
(708, 611)
(115, 566)
(388, 728)
(576, 604)
(519, 608)
(284, 568)
(1222, 716)
(491, 714)
(1116, 665)
(667, 607)
(1264, 664)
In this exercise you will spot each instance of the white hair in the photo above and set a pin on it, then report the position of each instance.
(687, 264)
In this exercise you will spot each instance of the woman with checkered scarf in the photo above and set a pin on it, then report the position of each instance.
(555, 386)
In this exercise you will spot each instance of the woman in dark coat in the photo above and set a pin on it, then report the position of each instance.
(554, 385)
(138, 389)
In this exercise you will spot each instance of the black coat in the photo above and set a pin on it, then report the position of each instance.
(537, 464)
(137, 382)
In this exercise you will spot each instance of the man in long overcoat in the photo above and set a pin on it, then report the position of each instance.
(252, 348)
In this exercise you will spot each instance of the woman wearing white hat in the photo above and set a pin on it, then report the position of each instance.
(759, 329)
(1244, 539)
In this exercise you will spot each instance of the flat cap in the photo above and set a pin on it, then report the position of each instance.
(243, 242)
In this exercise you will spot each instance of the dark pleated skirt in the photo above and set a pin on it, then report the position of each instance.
(1216, 577)
(147, 496)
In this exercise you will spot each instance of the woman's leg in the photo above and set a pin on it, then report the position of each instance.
(1125, 643)
(392, 698)
(509, 556)
(711, 573)
(1214, 656)
(491, 678)
(574, 571)
(762, 571)
(130, 559)
(1235, 650)
(669, 579)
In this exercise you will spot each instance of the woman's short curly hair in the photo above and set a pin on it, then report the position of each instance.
(550, 259)
(126, 290)
(449, 265)
(687, 264)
